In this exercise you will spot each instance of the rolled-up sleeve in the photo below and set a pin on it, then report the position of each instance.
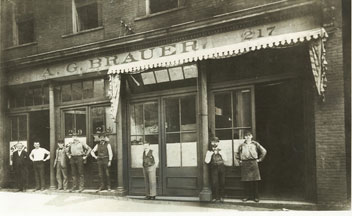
(262, 151)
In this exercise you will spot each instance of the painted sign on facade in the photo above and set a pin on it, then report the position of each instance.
(102, 63)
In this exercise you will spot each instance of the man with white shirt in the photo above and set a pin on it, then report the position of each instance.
(150, 162)
(20, 163)
(38, 157)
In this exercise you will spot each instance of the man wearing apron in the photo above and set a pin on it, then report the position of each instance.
(250, 153)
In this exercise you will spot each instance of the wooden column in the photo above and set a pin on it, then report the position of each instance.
(120, 190)
(205, 194)
(52, 135)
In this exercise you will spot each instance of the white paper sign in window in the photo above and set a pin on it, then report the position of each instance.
(173, 155)
(189, 154)
(226, 150)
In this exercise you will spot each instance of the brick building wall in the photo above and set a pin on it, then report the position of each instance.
(53, 27)
(330, 124)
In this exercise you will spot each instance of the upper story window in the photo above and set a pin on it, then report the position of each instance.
(155, 6)
(21, 25)
(85, 15)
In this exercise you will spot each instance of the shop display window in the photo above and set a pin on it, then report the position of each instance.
(18, 128)
(30, 96)
(101, 119)
(233, 117)
(144, 127)
(75, 122)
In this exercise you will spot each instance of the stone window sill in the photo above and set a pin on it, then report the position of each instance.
(22, 45)
(83, 32)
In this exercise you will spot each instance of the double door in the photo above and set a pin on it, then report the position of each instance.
(169, 124)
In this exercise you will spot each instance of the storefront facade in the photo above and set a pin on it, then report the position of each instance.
(266, 74)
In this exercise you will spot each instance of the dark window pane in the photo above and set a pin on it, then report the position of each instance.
(161, 5)
(152, 139)
(188, 113)
(69, 121)
(19, 98)
(87, 15)
(46, 94)
(25, 31)
(151, 118)
(246, 109)
(29, 97)
(22, 127)
(99, 88)
(106, 87)
(173, 138)
(223, 116)
(172, 115)
(14, 129)
(136, 113)
(66, 93)
(77, 91)
(37, 94)
(81, 124)
(97, 116)
(87, 89)
(224, 134)
(239, 134)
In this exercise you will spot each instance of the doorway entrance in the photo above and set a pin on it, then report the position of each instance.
(169, 124)
(39, 130)
(280, 126)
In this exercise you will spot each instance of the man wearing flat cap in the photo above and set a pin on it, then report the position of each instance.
(104, 157)
(60, 164)
(20, 160)
(216, 161)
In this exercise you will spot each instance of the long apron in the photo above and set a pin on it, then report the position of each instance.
(250, 171)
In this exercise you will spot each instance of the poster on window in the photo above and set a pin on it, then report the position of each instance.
(137, 155)
(13, 147)
(68, 141)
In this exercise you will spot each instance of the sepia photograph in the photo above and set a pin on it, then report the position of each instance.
(175, 106)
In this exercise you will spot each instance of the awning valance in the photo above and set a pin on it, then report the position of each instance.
(220, 52)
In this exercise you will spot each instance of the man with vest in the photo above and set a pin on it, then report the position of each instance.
(60, 164)
(77, 152)
(149, 171)
(217, 169)
(103, 148)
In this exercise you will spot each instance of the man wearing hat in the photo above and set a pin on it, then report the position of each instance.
(20, 163)
(77, 152)
(60, 164)
(104, 159)
(217, 169)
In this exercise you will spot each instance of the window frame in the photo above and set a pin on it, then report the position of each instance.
(70, 20)
(231, 90)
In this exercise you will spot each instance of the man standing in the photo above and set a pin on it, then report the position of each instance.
(38, 157)
(104, 160)
(61, 166)
(217, 169)
(20, 163)
(250, 153)
(149, 171)
(77, 153)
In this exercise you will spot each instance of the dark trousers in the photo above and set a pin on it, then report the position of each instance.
(39, 174)
(77, 171)
(104, 171)
(61, 177)
(218, 180)
(21, 177)
(251, 189)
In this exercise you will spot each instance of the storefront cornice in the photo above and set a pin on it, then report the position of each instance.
(220, 23)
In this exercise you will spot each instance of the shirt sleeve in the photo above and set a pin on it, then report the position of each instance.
(208, 157)
(89, 149)
(31, 156)
(95, 148)
(262, 151)
(238, 153)
(46, 151)
(109, 151)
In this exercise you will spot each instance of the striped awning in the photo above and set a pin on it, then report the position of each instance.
(315, 37)
(221, 52)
